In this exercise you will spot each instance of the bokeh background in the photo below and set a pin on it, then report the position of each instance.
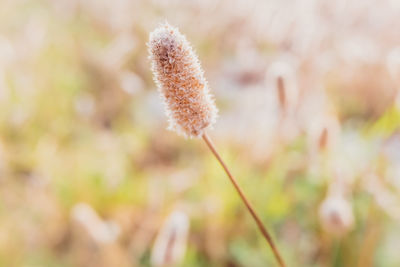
(308, 122)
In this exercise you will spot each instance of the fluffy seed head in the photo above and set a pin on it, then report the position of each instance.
(180, 80)
(170, 245)
(282, 75)
(336, 214)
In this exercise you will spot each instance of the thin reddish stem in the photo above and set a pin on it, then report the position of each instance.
(246, 202)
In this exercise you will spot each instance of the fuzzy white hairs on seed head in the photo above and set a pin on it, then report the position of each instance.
(170, 245)
(336, 214)
(180, 80)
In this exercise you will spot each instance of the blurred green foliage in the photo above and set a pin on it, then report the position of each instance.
(81, 122)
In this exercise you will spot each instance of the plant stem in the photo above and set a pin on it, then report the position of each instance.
(246, 202)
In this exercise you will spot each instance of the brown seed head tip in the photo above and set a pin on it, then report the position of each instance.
(180, 81)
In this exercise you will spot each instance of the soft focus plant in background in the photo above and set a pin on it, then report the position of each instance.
(81, 124)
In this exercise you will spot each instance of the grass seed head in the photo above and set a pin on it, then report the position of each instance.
(180, 80)
(336, 214)
(170, 245)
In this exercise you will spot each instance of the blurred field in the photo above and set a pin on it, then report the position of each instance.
(89, 174)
